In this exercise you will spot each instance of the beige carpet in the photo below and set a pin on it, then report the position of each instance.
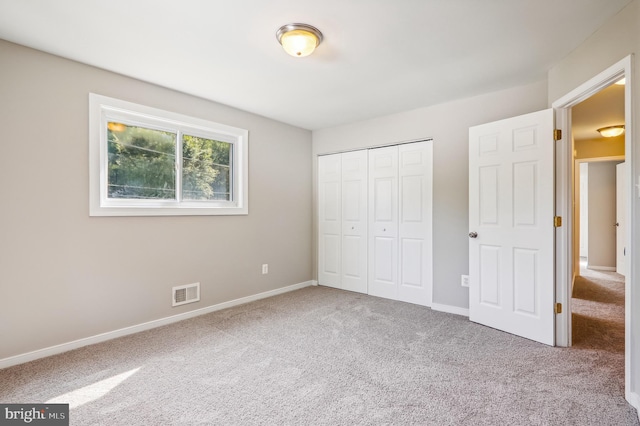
(598, 311)
(328, 357)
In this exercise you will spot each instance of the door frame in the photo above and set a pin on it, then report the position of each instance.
(564, 199)
(621, 219)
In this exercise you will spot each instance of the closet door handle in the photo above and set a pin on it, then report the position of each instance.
(473, 235)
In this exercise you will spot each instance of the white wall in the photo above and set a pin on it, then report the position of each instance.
(615, 40)
(65, 275)
(448, 124)
(602, 215)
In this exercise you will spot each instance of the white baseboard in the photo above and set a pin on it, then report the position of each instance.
(601, 268)
(64, 347)
(450, 309)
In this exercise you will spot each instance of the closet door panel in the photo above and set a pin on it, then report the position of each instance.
(354, 221)
(383, 222)
(411, 269)
(329, 220)
(374, 222)
(384, 252)
(414, 227)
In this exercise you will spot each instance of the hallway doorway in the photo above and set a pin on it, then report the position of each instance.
(598, 313)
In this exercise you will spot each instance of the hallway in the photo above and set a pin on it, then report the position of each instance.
(598, 312)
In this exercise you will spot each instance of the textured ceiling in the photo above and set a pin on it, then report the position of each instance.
(378, 56)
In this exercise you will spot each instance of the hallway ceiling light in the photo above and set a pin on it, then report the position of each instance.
(611, 131)
(299, 40)
(621, 82)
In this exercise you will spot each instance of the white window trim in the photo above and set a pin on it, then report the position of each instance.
(102, 109)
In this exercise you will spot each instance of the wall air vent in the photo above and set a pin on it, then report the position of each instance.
(184, 294)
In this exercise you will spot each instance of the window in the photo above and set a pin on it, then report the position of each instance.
(147, 162)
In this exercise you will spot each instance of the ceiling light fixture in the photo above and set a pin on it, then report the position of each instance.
(621, 82)
(611, 131)
(299, 40)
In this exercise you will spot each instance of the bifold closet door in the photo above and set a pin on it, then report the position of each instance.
(400, 232)
(383, 222)
(342, 221)
(329, 220)
(414, 227)
(354, 221)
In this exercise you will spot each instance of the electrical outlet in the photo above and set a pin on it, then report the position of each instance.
(265, 268)
(464, 280)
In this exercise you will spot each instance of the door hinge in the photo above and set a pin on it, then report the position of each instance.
(557, 134)
(557, 221)
(558, 308)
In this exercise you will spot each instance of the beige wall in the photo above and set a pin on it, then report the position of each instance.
(448, 124)
(617, 39)
(585, 150)
(65, 275)
(602, 214)
(598, 148)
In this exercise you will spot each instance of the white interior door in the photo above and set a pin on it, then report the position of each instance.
(329, 220)
(511, 209)
(414, 227)
(383, 222)
(354, 221)
(621, 220)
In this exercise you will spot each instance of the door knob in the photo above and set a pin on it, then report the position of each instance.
(617, 224)
(473, 235)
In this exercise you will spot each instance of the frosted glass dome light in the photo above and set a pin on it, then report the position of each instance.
(611, 131)
(299, 40)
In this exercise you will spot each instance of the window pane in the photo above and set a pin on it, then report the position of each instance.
(206, 169)
(141, 162)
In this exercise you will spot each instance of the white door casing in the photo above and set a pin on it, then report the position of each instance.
(511, 209)
(621, 220)
(564, 255)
